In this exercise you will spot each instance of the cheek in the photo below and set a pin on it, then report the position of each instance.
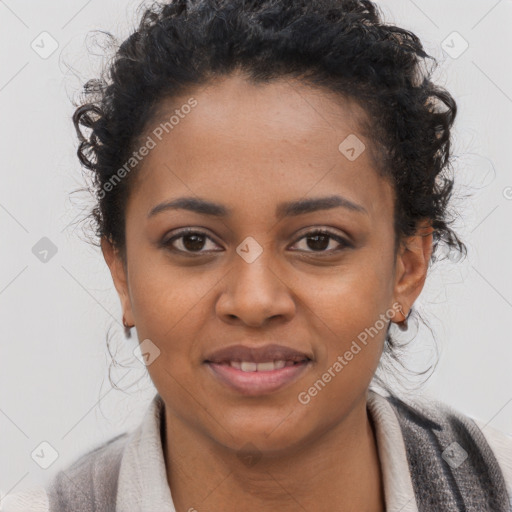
(353, 327)
(353, 309)
(354, 293)
(164, 297)
(165, 305)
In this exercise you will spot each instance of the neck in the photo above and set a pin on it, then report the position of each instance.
(338, 470)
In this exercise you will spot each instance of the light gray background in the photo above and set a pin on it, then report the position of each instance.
(54, 383)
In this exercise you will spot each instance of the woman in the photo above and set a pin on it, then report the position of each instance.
(271, 184)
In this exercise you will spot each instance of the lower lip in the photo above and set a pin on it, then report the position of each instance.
(257, 383)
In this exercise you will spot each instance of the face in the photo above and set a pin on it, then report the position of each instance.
(252, 269)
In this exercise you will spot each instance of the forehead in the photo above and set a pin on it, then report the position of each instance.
(267, 142)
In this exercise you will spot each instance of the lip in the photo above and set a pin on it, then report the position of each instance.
(257, 383)
(271, 352)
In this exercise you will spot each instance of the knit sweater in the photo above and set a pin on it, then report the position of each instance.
(433, 459)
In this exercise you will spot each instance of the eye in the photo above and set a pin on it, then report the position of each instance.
(320, 239)
(188, 241)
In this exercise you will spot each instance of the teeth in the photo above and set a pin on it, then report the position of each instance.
(248, 366)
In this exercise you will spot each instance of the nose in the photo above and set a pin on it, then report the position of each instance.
(255, 294)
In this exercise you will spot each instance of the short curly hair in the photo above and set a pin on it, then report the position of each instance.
(340, 45)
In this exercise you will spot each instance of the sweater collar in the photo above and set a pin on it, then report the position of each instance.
(142, 483)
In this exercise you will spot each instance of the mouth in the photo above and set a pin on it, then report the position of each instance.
(257, 371)
(268, 366)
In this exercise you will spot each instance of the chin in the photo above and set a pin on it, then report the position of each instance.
(276, 435)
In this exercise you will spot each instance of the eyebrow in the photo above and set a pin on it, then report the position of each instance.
(287, 209)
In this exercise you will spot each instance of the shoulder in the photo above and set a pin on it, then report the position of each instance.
(29, 500)
(76, 486)
(102, 456)
(434, 414)
(421, 414)
(441, 439)
(501, 445)
(90, 483)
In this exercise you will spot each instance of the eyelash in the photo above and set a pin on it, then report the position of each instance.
(168, 243)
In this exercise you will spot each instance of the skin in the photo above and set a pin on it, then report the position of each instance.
(249, 148)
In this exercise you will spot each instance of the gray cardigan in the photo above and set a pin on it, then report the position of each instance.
(451, 464)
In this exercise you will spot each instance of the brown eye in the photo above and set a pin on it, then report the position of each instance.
(188, 241)
(320, 240)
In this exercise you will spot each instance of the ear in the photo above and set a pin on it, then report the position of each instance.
(412, 265)
(119, 274)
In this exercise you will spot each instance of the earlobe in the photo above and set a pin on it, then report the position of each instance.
(119, 276)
